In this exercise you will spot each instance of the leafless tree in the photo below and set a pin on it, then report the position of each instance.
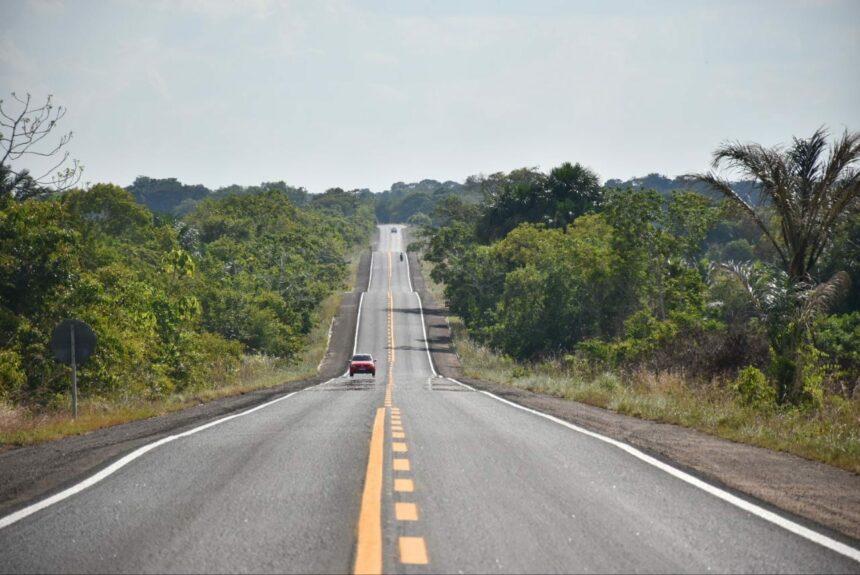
(25, 128)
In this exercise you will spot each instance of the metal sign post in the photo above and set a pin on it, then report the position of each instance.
(74, 374)
(73, 342)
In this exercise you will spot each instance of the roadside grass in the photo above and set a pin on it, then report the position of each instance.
(829, 432)
(21, 426)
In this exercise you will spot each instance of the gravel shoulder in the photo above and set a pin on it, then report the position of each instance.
(31, 473)
(813, 493)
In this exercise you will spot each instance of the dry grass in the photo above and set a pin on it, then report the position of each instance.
(23, 426)
(829, 432)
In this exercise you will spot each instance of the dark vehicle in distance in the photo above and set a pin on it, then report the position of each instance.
(362, 363)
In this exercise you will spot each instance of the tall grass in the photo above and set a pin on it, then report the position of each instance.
(828, 432)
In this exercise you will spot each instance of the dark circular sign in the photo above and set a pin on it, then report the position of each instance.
(61, 341)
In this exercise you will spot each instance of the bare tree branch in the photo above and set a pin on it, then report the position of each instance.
(21, 136)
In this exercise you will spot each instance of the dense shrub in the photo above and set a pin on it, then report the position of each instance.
(753, 389)
(174, 306)
(838, 339)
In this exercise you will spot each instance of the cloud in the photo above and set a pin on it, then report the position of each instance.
(48, 7)
(216, 9)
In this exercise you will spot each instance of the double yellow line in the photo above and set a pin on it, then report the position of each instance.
(368, 556)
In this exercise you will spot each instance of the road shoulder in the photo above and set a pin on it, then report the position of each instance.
(28, 474)
(812, 491)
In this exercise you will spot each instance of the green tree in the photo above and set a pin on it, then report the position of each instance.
(529, 196)
(556, 291)
(810, 190)
(167, 195)
(809, 193)
(574, 191)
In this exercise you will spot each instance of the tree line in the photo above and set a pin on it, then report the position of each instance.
(174, 302)
(754, 282)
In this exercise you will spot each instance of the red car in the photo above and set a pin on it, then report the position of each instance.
(362, 363)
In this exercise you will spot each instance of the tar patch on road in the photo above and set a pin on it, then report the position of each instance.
(356, 384)
(442, 384)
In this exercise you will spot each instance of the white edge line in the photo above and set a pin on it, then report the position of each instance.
(122, 462)
(424, 329)
(743, 504)
(408, 272)
(770, 516)
(327, 344)
(357, 325)
(125, 460)
(358, 313)
(423, 325)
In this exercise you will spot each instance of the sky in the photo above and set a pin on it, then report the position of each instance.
(324, 94)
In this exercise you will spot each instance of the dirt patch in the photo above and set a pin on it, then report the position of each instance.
(37, 471)
(812, 491)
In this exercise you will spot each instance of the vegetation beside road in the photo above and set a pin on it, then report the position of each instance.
(234, 295)
(24, 425)
(828, 432)
(737, 319)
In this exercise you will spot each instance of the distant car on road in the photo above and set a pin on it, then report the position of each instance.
(393, 230)
(362, 363)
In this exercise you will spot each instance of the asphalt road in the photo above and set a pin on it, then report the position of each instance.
(405, 472)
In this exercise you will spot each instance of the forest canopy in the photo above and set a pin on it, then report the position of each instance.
(175, 302)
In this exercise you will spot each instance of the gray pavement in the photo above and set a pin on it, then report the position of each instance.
(493, 488)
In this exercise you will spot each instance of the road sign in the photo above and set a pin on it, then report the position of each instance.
(73, 342)
(77, 331)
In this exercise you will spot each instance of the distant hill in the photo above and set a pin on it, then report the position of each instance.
(403, 201)
(167, 195)
(170, 196)
(660, 183)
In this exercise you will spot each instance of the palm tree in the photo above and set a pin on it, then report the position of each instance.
(810, 193)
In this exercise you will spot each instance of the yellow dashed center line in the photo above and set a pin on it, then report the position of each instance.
(413, 551)
(406, 511)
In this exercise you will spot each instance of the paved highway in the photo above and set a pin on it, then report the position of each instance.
(407, 472)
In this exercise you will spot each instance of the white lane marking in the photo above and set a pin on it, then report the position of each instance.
(327, 344)
(760, 512)
(358, 315)
(122, 462)
(770, 516)
(408, 273)
(424, 329)
(357, 324)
